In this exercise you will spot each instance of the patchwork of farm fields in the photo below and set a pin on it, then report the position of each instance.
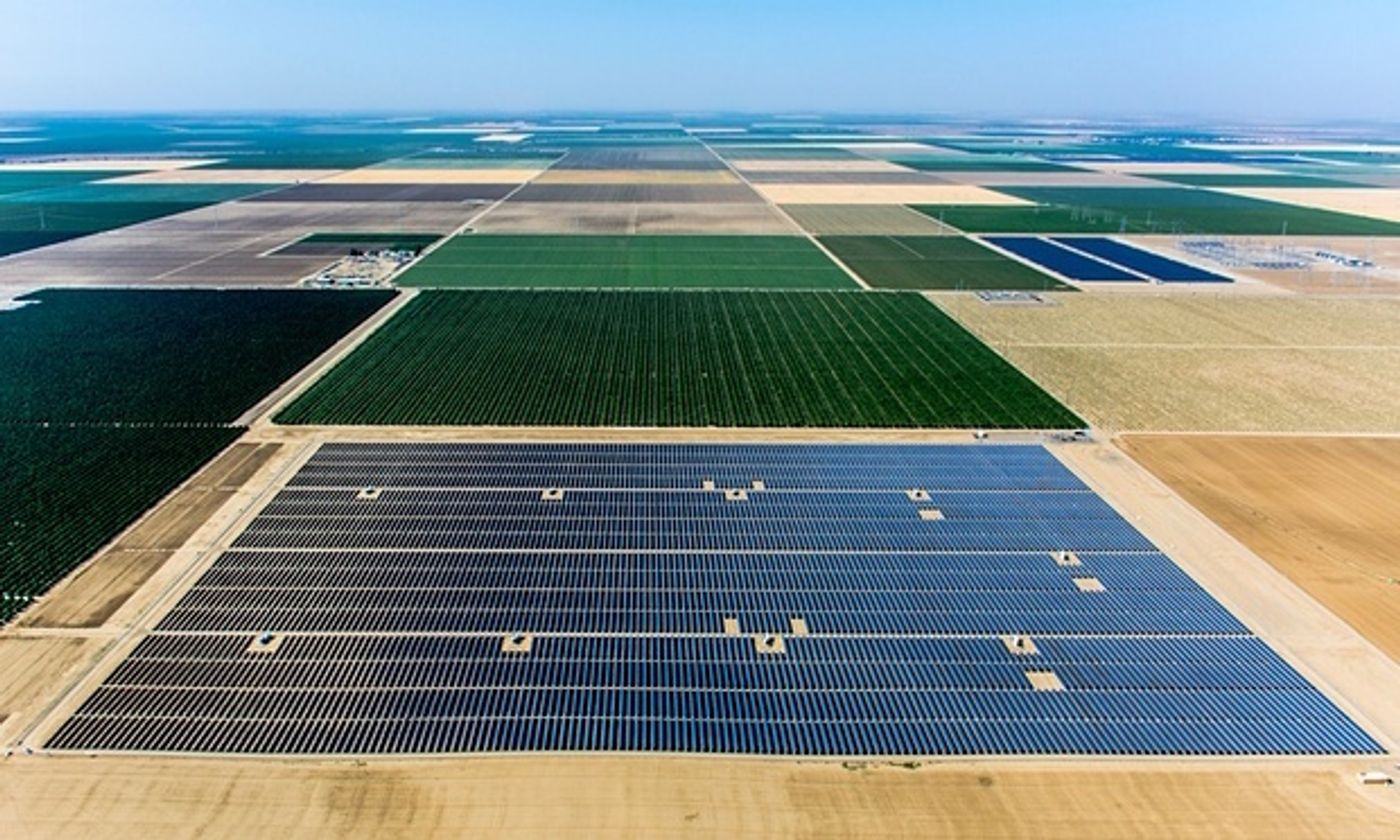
(1151, 210)
(1256, 364)
(66, 490)
(135, 356)
(485, 261)
(809, 359)
(935, 262)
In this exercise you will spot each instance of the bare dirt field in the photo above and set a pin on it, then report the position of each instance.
(663, 797)
(425, 175)
(1376, 203)
(623, 217)
(1205, 363)
(864, 220)
(221, 245)
(637, 176)
(883, 194)
(780, 165)
(1324, 511)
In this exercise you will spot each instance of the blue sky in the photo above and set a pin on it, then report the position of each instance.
(1244, 60)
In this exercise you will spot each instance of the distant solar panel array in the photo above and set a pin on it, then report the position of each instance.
(781, 600)
(1097, 259)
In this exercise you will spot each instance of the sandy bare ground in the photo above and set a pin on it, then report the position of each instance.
(664, 797)
(1360, 201)
(778, 165)
(201, 175)
(118, 164)
(422, 175)
(637, 176)
(1237, 363)
(1324, 511)
(883, 194)
(1049, 179)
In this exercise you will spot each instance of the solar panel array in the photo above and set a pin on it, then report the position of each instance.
(781, 600)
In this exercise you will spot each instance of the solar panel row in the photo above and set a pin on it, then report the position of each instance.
(637, 611)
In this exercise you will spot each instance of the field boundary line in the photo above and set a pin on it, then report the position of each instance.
(783, 214)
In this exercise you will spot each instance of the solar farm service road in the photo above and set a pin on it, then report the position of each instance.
(778, 600)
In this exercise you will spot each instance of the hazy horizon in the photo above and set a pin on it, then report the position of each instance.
(1244, 63)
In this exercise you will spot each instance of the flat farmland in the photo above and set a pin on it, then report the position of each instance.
(67, 490)
(934, 262)
(863, 220)
(1324, 511)
(504, 261)
(633, 358)
(1150, 210)
(1206, 363)
(129, 356)
(649, 218)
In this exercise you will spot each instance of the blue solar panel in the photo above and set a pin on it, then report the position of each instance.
(1071, 264)
(648, 601)
(1144, 262)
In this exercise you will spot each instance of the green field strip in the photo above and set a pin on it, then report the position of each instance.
(935, 262)
(163, 356)
(599, 261)
(68, 490)
(675, 358)
(979, 163)
(1164, 210)
(14, 182)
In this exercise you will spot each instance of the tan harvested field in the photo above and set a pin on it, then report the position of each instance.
(844, 165)
(630, 217)
(424, 175)
(637, 176)
(864, 220)
(1321, 277)
(1361, 201)
(200, 175)
(35, 667)
(1323, 511)
(1147, 167)
(1202, 363)
(665, 797)
(1049, 179)
(883, 194)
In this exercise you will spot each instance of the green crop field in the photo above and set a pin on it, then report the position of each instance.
(58, 213)
(934, 262)
(675, 358)
(14, 182)
(92, 356)
(65, 491)
(660, 262)
(1151, 210)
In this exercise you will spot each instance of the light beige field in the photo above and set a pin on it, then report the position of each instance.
(637, 176)
(1324, 511)
(1146, 167)
(842, 165)
(201, 175)
(864, 220)
(667, 797)
(1360, 201)
(883, 194)
(423, 175)
(1205, 363)
(633, 218)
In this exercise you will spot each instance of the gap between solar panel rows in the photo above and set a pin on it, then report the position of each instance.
(1025, 616)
